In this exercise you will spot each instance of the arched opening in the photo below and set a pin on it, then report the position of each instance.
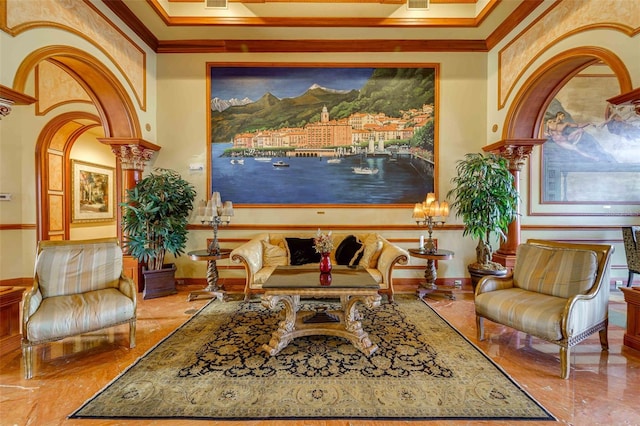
(115, 114)
(525, 115)
(53, 172)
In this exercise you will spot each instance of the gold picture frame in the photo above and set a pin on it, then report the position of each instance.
(93, 193)
(274, 129)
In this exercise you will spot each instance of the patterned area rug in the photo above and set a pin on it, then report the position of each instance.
(212, 368)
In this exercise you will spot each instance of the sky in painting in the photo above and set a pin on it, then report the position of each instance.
(282, 82)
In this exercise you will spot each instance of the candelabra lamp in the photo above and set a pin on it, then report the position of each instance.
(430, 213)
(215, 213)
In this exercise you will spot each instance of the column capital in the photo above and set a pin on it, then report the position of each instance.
(133, 153)
(5, 107)
(9, 97)
(515, 151)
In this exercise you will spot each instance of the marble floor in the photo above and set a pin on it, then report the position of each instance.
(603, 388)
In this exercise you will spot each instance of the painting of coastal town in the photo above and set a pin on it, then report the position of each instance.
(350, 135)
(592, 153)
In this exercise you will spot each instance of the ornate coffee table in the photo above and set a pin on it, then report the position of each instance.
(287, 284)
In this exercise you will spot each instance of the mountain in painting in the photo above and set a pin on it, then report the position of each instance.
(388, 91)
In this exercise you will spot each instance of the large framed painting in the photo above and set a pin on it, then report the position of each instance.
(590, 163)
(92, 193)
(323, 135)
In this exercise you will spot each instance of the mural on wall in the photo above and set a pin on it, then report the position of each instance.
(323, 135)
(592, 153)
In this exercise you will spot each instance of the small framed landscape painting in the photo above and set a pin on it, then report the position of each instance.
(323, 135)
(92, 194)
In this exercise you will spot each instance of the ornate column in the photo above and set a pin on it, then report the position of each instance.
(516, 152)
(10, 97)
(132, 155)
(5, 107)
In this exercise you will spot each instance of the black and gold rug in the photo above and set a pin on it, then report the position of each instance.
(212, 368)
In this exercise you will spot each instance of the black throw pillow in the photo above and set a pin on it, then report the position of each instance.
(302, 251)
(350, 251)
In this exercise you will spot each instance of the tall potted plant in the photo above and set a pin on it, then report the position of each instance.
(154, 221)
(484, 196)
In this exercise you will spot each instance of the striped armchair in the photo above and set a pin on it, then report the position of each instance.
(558, 292)
(78, 287)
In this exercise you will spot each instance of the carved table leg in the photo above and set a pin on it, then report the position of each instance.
(358, 337)
(429, 286)
(283, 335)
(211, 291)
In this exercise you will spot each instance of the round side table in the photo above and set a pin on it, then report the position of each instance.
(212, 291)
(430, 273)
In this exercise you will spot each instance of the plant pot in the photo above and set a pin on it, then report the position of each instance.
(158, 283)
(477, 274)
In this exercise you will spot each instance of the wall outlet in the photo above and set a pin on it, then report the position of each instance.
(457, 283)
(618, 283)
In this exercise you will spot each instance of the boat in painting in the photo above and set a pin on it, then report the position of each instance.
(364, 170)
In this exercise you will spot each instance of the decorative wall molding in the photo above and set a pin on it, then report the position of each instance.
(560, 21)
(55, 87)
(330, 45)
(16, 226)
(87, 22)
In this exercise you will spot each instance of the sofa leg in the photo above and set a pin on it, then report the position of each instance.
(132, 333)
(480, 327)
(27, 360)
(564, 362)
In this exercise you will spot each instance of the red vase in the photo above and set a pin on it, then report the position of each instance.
(325, 279)
(325, 263)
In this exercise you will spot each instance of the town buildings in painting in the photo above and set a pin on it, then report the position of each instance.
(357, 129)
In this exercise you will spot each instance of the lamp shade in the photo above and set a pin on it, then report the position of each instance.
(418, 211)
(217, 200)
(227, 209)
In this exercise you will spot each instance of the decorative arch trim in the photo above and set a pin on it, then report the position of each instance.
(114, 106)
(123, 52)
(525, 114)
(518, 55)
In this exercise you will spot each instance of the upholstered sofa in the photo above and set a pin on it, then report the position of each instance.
(262, 254)
(558, 292)
(79, 287)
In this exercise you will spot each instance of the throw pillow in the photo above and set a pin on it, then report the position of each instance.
(349, 252)
(273, 255)
(372, 250)
(302, 251)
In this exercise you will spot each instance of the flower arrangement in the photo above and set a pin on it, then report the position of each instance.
(323, 242)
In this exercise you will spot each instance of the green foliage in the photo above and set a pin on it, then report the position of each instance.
(485, 197)
(423, 137)
(156, 215)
